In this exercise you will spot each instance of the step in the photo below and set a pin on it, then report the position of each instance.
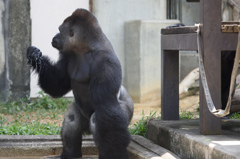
(183, 138)
(48, 147)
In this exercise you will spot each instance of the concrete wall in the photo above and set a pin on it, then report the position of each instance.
(142, 57)
(188, 62)
(190, 12)
(112, 14)
(46, 16)
(15, 35)
(2, 53)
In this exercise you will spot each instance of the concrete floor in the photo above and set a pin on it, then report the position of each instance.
(183, 138)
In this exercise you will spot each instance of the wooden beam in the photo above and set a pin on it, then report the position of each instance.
(180, 30)
(210, 18)
(170, 85)
(179, 41)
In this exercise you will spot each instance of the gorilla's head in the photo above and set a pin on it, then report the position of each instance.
(77, 32)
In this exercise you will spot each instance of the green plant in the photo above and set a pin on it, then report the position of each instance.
(43, 102)
(139, 128)
(30, 128)
(2, 120)
(237, 86)
(186, 115)
(46, 102)
(28, 117)
(235, 116)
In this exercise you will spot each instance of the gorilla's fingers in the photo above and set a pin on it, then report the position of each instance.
(36, 55)
(30, 50)
(36, 66)
(39, 63)
(39, 55)
(33, 53)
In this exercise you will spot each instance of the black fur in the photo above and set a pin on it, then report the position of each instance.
(89, 66)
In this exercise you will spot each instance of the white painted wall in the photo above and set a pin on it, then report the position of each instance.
(46, 16)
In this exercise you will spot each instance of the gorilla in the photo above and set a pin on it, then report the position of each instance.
(90, 68)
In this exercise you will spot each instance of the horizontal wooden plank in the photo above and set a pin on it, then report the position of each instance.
(180, 30)
(189, 41)
(193, 29)
(179, 41)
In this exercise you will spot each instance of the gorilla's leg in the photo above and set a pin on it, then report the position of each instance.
(110, 132)
(125, 102)
(109, 127)
(74, 125)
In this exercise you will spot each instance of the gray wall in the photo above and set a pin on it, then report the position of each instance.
(142, 57)
(15, 36)
(188, 62)
(112, 14)
(190, 14)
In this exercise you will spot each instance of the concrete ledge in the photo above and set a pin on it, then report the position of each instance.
(184, 139)
(36, 147)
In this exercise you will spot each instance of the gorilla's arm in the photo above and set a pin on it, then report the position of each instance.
(106, 77)
(110, 119)
(53, 78)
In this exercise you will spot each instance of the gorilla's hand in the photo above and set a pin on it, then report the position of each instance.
(34, 58)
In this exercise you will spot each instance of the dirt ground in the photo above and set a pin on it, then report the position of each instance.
(188, 104)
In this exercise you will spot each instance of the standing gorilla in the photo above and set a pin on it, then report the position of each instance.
(89, 66)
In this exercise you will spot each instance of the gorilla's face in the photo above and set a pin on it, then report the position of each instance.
(56, 42)
(64, 40)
